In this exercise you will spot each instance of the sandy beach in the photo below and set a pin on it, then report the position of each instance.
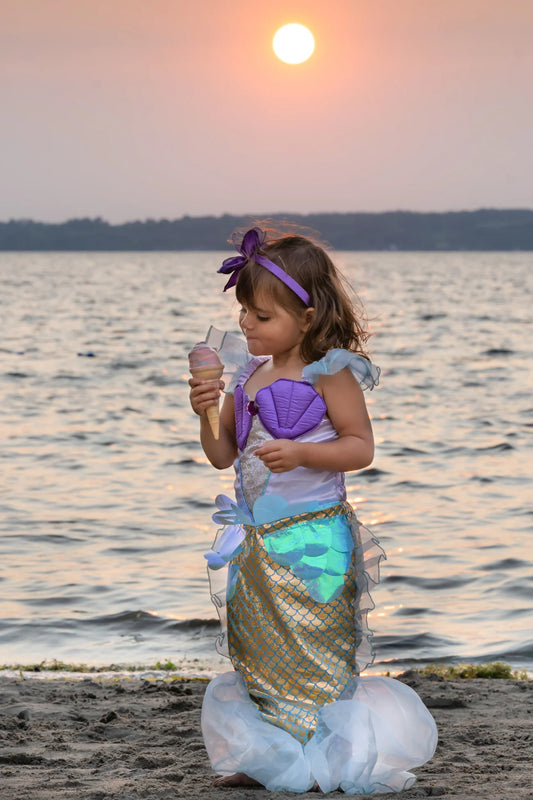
(128, 738)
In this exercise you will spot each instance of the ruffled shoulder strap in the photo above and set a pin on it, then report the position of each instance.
(365, 373)
(250, 368)
(238, 363)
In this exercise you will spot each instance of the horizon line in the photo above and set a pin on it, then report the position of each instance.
(265, 216)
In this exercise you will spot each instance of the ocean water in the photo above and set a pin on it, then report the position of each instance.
(106, 496)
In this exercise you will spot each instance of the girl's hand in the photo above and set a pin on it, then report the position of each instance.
(280, 455)
(204, 394)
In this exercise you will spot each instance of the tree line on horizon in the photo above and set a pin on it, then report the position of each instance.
(483, 230)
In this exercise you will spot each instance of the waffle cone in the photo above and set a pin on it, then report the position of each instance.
(210, 373)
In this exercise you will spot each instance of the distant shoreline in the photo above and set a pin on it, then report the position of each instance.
(484, 230)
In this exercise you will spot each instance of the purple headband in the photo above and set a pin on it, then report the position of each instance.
(253, 241)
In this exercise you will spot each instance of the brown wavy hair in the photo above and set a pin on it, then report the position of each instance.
(339, 320)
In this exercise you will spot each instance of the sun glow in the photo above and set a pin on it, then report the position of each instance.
(293, 43)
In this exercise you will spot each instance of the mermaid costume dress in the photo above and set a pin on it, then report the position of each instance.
(290, 574)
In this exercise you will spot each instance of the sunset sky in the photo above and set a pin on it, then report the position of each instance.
(129, 109)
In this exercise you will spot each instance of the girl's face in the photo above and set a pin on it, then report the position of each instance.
(270, 329)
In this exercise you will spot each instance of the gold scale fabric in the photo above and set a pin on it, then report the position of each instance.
(294, 653)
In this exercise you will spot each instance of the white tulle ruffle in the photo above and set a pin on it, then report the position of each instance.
(364, 743)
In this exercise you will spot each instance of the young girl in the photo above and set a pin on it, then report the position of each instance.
(294, 715)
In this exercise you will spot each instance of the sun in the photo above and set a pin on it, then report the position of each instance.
(293, 43)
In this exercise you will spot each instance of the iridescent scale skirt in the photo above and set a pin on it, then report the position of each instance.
(294, 654)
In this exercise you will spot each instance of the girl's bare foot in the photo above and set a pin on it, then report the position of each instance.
(239, 779)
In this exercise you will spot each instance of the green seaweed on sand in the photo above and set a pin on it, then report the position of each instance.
(495, 670)
(49, 665)
(167, 665)
(55, 665)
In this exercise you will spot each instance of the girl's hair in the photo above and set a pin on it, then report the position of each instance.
(335, 322)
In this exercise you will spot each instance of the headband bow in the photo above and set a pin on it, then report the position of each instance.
(252, 242)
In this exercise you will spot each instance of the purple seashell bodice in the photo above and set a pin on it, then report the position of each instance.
(286, 408)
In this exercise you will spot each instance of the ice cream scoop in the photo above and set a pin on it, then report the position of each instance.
(204, 363)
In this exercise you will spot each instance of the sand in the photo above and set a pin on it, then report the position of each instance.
(128, 738)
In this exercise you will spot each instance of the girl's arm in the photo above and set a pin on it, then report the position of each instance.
(354, 448)
(221, 452)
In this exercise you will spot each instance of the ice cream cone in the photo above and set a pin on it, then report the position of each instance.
(210, 374)
(205, 364)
